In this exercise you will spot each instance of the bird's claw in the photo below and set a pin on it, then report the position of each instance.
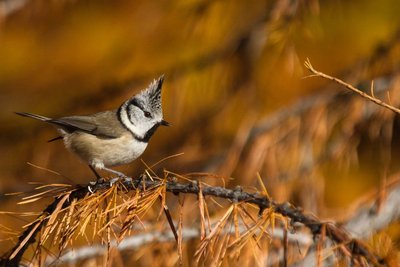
(89, 187)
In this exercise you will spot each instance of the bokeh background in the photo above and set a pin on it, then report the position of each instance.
(234, 91)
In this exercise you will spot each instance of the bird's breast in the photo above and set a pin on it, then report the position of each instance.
(110, 152)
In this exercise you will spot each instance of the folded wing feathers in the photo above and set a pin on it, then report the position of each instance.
(73, 123)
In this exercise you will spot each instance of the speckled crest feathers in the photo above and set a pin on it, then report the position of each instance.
(153, 93)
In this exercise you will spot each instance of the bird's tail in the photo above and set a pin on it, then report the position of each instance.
(33, 116)
(41, 118)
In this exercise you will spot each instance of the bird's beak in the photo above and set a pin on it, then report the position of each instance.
(164, 123)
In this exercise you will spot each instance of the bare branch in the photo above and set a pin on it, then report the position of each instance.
(371, 219)
(368, 220)
(75, 255)
(130, 243)
(377, 101)
(8, 7)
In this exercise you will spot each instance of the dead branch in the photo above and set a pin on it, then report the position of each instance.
(296, 215)
(368, 219)
(371, 97)
(130, 243)
(75, 255)
(8, 7)
(375, 216)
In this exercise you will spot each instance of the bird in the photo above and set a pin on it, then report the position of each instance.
(113, 137)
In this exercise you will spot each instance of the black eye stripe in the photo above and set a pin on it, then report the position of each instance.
(135, 103)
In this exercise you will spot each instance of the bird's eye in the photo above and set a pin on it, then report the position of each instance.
(147, 114)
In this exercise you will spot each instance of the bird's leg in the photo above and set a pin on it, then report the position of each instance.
(100, 165)
(98, 177)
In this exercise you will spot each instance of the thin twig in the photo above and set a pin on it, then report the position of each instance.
(377, 101)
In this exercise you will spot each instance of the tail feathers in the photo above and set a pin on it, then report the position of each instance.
(33, 116)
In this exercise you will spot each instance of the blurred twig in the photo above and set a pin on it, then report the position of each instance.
(130, 243)
(8, 7)
(139, 240)
(376, 216)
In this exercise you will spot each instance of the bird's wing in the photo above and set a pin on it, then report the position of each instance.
(103, 124)
(97, 124)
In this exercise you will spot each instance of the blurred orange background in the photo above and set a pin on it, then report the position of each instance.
(229, 66)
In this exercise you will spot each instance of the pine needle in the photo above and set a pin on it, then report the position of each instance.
(25, 240)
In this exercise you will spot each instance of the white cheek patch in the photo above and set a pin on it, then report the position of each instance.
(139, 129)
(126, 122)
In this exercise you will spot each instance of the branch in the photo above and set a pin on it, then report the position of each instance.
(376, 216)
(9, 7)
(371, 97)
(369, 219)
(75, 255)
(132, 242)
(296, 215)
